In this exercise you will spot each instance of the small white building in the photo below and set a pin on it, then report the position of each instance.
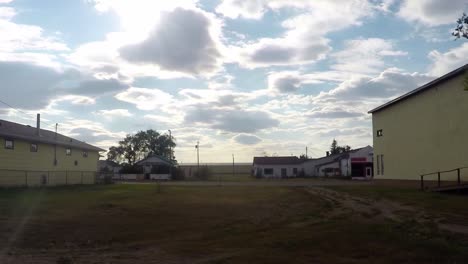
(277, 167)
(354, 163)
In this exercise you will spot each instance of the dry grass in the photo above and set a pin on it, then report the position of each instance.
(235, 224)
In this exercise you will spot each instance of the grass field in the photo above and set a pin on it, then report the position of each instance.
(236, 224)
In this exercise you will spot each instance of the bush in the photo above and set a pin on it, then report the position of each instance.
(203, 174)
(163, 169)
(177, 174)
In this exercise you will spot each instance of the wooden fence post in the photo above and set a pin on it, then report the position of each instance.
(438, 179)
(458, 176)
(422, 182)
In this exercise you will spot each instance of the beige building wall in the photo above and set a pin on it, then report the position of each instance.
(424, 133)
(14, 163)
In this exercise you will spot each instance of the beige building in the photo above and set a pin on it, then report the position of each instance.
(423, 131)
(34, 156)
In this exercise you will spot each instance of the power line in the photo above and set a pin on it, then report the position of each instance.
(14, 108)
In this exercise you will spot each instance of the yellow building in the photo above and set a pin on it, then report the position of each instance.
(34, 156)
(423, 131)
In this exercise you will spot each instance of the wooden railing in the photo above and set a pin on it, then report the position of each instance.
(439, 173)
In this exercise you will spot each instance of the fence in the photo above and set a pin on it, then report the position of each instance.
(132, 177)
(436, 180)
(12, 178)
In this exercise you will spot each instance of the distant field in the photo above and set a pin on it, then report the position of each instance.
(126, 223)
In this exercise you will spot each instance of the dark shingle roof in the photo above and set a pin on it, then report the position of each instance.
(289, 160)
(23, 132)
(422, 88)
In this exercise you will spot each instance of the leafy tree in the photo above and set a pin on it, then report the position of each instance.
(303, 157)
(336, 149)
(461, 30)
(141, 145)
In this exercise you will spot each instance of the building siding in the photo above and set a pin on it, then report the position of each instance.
(15, 162)
(423, 133)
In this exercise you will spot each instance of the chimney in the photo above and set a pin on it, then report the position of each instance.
(328, 153)
(38, 125)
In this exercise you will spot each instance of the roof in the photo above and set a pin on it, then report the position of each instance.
(108, 163)
(288, 160)
(422, 88)
(24, 132)
(155, 159)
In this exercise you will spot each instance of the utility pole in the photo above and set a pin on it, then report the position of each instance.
(233, 170)
(306, 153)
(198, 155)
(55, 145)
(170, 151)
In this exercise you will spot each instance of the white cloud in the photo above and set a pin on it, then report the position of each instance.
(114, 113)
(6, 1)
(22, 37)
(304, 39)
(247, 139)
(432, 12)
(251, 9)
(365, 55)
(443, 63)
(74, 99)
(145, 98)
(390, 83)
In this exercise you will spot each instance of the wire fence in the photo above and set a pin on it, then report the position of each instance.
(16, 178)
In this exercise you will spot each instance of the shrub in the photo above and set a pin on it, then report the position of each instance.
(204, 173)
(177, 174)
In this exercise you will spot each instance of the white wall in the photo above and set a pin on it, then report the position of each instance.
(277, 170)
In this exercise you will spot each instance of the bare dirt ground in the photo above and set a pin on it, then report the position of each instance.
(277, 221)
(345, 204)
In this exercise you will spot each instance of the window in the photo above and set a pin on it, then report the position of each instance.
(34, 147)
(76, 163)
(295, 171)
(68, 151)
(85, 154)
(267, 171)
(379, 132)
(378, 164)
(9, 144)
(381, 164)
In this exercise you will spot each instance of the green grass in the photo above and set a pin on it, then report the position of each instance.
(247, 224)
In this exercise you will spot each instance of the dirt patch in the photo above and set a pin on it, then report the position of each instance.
(342, 204)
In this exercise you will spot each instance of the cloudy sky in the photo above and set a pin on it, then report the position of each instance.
(249, 77)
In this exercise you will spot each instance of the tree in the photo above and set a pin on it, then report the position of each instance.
(461, 30)
(303, 157)
(142, 145)
(336, 149)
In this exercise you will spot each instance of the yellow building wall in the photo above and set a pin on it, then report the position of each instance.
(19, 166)
(425, 133)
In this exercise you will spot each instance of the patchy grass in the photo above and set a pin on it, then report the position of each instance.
(236, 224)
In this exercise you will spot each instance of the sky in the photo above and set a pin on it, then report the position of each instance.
(243, 77)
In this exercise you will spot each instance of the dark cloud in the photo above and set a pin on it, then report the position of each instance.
(180, 42)
(231, 120)
(286, 84)
(246, 139)
(97, 87)
(30, 86)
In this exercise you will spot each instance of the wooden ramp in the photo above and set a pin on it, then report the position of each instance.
(451, 188)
